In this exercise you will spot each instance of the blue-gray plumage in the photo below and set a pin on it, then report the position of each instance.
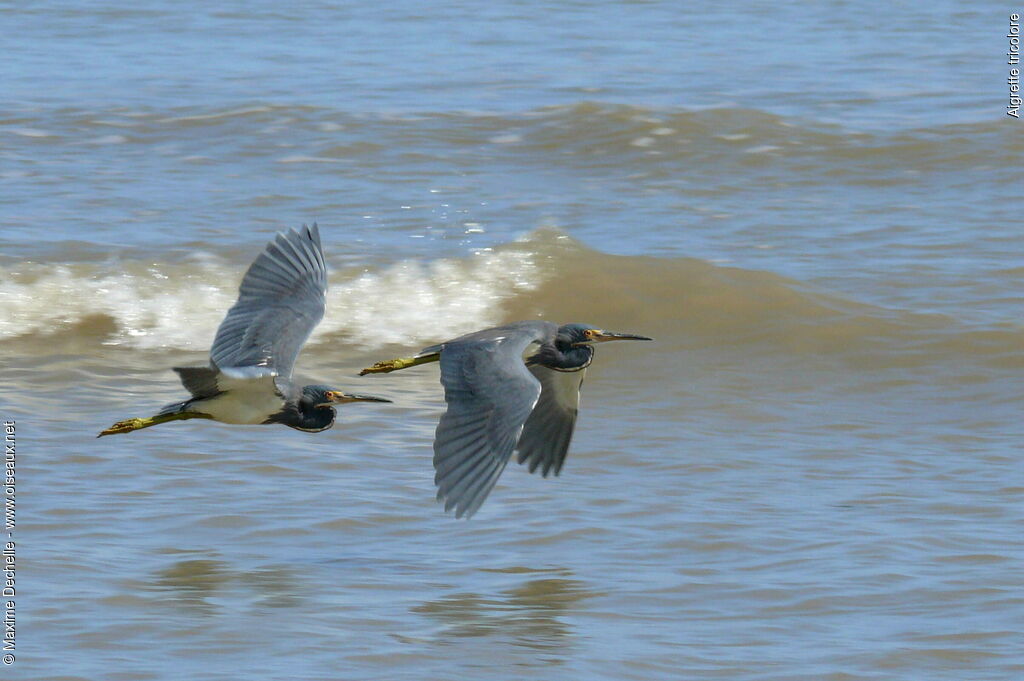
(248, 381)
(510, 388)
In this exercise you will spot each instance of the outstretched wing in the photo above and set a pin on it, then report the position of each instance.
(280, 302)
(490, 394)
(548, 431)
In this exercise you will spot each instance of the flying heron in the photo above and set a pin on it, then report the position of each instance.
(513, 387)
(248, 381)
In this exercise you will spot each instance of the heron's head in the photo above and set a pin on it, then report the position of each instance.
(324, 397)
(582, 334)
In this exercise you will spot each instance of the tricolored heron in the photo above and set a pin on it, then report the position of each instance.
(248, 381)
(511, 388)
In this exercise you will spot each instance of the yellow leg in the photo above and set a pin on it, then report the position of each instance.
(128, 425)
(400, 363)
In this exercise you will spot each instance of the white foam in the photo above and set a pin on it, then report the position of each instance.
(214, 116)
(149, 308)
(181, 306)
(301, 158)
(30, 132)
(110, 139)
(416, 302)
(509, 138)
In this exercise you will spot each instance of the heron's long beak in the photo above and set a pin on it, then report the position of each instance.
(341, 398)
(600, 336)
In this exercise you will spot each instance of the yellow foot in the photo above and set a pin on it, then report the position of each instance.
(389, 365)
(126, 426)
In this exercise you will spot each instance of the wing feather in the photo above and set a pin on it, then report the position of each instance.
(548, 431)
(280, 302)
(490, 394)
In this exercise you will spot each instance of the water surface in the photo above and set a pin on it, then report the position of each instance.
(813, 473)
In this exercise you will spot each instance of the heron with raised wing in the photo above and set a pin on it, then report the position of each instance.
(249, 378)
(511, 388)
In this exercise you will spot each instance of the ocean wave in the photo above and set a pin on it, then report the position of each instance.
(148, 306)
(687, 303)
(589, 130)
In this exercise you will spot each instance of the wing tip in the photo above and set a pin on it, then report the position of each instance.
(467, 485)
(301, 237)
(312, 233)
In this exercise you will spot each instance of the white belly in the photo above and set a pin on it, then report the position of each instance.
(249, 407)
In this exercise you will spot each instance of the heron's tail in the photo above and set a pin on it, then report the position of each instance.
(174, 408)
(200, 381)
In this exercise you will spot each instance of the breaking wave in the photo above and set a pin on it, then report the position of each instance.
(687, 303)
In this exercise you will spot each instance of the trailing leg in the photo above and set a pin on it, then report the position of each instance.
(128, 425)
(400, 363)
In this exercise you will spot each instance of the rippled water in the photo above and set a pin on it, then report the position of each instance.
(813, 473)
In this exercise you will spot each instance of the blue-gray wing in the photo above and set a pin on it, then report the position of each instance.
(548, 430)
(280, 302)
(490, 394)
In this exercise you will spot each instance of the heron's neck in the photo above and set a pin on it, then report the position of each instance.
(302, 416)
(567, 359)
